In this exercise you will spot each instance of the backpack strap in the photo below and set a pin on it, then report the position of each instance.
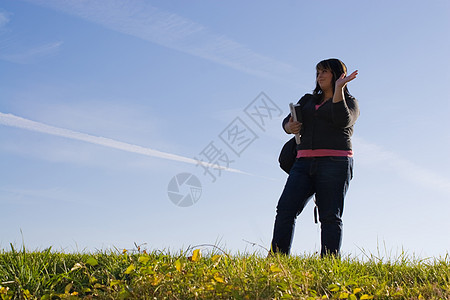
(316, 212)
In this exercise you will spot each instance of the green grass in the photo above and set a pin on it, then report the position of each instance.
(217, 275)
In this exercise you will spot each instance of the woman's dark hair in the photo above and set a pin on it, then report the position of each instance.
(336, 67)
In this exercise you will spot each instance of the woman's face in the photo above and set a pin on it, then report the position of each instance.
(325, 79)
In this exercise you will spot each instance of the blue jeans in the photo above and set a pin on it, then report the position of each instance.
(326, 177)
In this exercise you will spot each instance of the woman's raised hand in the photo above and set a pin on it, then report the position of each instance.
(343, 80)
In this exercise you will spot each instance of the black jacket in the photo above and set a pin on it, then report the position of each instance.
(329, 127)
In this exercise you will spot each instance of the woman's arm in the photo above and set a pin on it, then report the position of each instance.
(345, 109)
(345, 113)
(340, 85)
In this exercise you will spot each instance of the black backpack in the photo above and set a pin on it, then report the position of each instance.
(287, 155)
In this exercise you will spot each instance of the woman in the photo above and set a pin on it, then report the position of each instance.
(324, 164)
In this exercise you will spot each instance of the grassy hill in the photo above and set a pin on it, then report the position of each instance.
(216, 275)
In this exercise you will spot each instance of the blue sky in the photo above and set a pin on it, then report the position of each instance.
(102, 104)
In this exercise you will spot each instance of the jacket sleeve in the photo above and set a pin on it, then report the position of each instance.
(285, 121)
(346, 112)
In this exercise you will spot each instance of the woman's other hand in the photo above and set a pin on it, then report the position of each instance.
(292, 126)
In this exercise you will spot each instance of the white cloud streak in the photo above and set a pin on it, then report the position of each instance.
(30, 55)
(23, 56)
(4, 18)
(374, 155)
(138, 18)
(19, 122)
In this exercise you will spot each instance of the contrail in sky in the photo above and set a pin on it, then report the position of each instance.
(15, 121)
